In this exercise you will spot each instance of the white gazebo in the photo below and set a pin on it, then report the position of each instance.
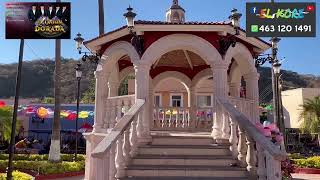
(205, 59)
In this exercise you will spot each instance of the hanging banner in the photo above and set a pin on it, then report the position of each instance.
(38, 20)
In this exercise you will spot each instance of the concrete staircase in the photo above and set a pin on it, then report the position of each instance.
(184, 157)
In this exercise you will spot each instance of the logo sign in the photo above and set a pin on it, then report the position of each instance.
(37, 20)
(281, 19)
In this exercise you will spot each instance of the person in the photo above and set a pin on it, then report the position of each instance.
(58, 12)
(33, 13)
(51, 13)
(65, 15)
(22, 144)
(43, 11)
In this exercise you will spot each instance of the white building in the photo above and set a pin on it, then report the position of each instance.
(292, 101)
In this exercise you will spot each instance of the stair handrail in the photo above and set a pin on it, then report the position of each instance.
(252, 130)
(112, 137)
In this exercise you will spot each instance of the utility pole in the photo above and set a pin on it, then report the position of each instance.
(15, 111)
(101, 17)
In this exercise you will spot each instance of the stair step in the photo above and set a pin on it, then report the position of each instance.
(181, 140)
(184, 178)
(183, 160)
(209, 150)
(190, 171)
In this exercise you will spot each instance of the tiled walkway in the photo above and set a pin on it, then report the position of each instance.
(296, 177)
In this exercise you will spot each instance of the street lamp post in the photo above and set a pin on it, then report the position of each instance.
(15, 112)
(136, 40)
(230, 39)
(273, 60)
(88, 55)
(78, 76)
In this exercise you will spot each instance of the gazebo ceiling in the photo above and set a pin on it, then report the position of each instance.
(180, 58)
(177, 58)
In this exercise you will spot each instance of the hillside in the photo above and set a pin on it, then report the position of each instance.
(37, 80)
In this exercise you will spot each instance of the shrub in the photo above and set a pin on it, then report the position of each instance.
(45, 167)
(296, 156)
(36, 157)
(16, 176)
(312, 162)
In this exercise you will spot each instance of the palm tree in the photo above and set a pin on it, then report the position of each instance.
(311, 115)
(54, 153)
(5, 123)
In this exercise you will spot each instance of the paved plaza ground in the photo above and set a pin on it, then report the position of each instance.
(296, 177)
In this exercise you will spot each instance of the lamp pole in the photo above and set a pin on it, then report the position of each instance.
(15, 112)
(78, 76)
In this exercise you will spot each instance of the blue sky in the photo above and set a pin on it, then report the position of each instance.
(301, 53)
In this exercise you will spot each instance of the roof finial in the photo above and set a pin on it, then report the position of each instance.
(176, 14)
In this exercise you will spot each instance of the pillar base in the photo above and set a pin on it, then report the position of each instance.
(98, 129)
(216, 133)
(222, 141)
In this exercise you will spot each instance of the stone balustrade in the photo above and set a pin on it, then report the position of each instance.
(115, 109)
(112, 154)
(254, 151)
(179, 119)
(245, 106)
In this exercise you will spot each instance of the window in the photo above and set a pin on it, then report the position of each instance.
(204, 100)
(176, 100)
(157, 100)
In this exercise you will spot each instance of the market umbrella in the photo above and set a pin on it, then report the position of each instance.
(2, 104)
(85, 128)
(42, 112)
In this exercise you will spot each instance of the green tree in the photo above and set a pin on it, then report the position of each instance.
(5, 123)
(311, 115)
(89, 95)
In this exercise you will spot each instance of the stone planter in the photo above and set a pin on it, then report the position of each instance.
(307, 170)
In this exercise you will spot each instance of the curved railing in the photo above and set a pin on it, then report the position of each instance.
(243, 136)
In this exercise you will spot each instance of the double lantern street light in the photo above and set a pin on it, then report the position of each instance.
(92, 58)
(78, 76)
(276, 81)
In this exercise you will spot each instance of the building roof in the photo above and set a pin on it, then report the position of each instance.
(145, 22)
(181, 23)
(194, 23)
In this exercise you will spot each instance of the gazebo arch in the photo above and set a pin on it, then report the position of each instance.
(185, 80)
(115, 52)
(204, 73)
(241, 54)
(125, 72)
(188, 42)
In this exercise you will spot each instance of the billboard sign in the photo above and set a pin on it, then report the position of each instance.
(294, 19)
(38, 20)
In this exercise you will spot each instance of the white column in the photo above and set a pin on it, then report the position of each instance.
(220, 89)
(192, 104)
(113, 88)
(252, 90)
(151, 106)
(101, 93)
(142, 73)
(234, 89)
